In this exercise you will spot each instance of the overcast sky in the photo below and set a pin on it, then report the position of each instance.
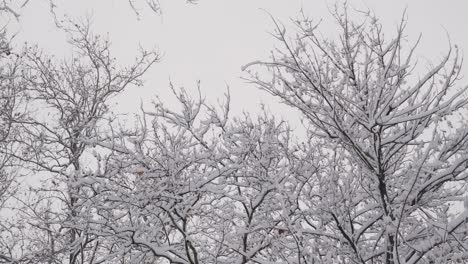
(210, 41)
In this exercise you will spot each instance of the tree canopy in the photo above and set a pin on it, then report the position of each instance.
(379, 177)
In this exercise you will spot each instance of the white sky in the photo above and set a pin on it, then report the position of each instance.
(210, 41)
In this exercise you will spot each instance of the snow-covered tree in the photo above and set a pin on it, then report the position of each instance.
(154, 5)
(68, 105)
(195, 186)
(11, 99)
(393, 143)
(380, 176)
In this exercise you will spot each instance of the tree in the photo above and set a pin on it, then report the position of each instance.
(393, 168)
(11, 99)
(75, 93)
(153, 5)
(194, 186)
(379, 178)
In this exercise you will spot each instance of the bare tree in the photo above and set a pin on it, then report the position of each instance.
(153, 5)
(379, 178)
(195, 186)
(393, 168)
(75, 94)
(11, 99)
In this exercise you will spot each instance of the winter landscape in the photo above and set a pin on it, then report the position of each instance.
(233, 132)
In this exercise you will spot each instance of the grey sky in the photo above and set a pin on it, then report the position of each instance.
(210, 41)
